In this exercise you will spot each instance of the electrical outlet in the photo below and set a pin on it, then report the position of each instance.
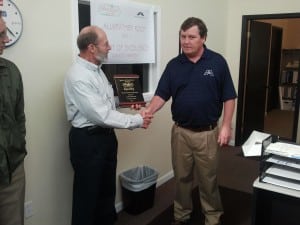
(28, 209)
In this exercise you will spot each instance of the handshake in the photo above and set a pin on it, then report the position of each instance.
(145, 113)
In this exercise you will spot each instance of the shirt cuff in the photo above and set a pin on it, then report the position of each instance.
(137, 121)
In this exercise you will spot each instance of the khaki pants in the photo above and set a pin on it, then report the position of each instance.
(12, 199)
(196, 153)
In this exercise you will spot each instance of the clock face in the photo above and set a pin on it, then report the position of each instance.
(13, 19)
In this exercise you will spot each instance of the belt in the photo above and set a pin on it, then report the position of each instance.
(199, 128)
(97, 130)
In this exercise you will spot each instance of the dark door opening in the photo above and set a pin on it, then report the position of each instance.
(260, 76)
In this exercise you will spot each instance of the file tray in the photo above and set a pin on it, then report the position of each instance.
(264, 165)
(280, 164)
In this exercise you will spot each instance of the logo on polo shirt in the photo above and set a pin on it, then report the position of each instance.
(209, 73)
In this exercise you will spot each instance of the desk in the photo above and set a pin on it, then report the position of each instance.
(236, 171)
(275, 205)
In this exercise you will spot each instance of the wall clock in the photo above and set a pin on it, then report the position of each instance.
(14, 22)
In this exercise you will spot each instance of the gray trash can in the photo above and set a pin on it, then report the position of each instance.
(138, 189)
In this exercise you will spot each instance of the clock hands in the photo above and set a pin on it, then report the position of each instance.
(9, 30)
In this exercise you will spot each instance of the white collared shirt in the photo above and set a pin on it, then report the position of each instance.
(89, 99)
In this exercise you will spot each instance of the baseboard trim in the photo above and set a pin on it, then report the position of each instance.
(163, 179)
(160, 181)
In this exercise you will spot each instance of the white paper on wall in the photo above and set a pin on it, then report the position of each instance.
(130, 30)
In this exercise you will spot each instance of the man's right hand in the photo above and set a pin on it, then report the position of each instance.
(147, 117)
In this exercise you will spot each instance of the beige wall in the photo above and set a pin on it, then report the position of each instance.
(44, 53)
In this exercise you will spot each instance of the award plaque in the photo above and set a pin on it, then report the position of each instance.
(129, 90)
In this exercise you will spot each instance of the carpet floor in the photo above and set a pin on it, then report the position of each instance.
(237, 209)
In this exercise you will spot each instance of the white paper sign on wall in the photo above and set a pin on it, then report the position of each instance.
(130, 30)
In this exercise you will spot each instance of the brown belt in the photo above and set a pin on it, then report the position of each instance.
(199, 128)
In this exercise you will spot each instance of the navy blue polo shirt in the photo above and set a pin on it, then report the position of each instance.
(198, 90)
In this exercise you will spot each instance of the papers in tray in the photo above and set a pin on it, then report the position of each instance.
(252, 147)
(283, 171)
(283, 182)
(284, 149)
(294, 163)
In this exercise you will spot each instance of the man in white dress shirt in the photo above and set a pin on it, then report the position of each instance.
(91, 109)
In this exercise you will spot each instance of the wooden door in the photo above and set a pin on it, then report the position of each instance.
(274, 69)
(256, 78)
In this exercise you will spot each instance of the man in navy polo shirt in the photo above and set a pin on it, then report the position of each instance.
(200, 84)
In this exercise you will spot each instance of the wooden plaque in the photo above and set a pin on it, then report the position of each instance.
(129, 90)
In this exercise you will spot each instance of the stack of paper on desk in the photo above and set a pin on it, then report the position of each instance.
(252, 147)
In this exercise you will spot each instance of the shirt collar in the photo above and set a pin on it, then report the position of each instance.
(2, 62)
(88, 65)
(3, 65)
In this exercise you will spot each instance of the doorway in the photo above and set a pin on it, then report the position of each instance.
(259, 102)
